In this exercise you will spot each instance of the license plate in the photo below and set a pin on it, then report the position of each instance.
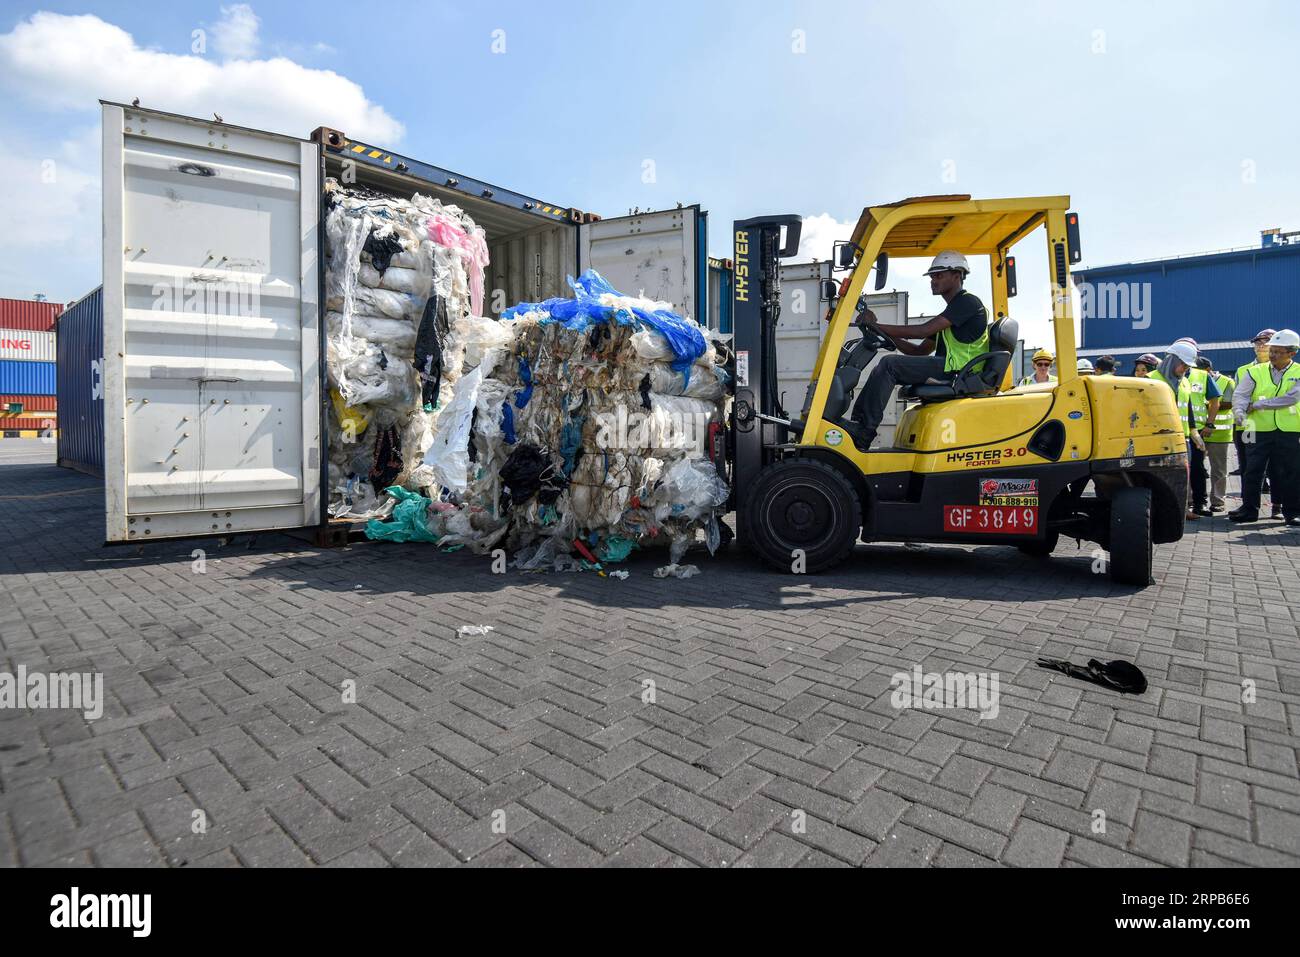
(991, 519)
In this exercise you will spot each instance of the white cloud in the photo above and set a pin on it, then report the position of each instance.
(235, 34)
(70, 62)
(820, 233)
(65, 64)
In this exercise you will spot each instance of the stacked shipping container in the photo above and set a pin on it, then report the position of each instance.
(28, 405)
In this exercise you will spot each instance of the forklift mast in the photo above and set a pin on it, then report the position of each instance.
(756, 308)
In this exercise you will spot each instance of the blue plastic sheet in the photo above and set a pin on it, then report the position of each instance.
(526, 377)
(571, 443)
(684, 338)
(508, 423)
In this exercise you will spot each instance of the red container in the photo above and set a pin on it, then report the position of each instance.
(31, 403)
(27, 424)
(29, 315)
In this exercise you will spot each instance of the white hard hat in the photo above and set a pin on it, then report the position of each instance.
(949, 259)
(1084, 365)
(1184, 351)
(1286, 338)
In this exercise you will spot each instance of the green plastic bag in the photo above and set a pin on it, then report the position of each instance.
(616, 549)
(409, 521)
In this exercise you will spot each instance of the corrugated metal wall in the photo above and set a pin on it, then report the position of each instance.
(36, 378)
(26, 345)
(81, 391)
(530, 267)
(1220, 298)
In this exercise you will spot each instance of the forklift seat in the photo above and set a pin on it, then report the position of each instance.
(971, 381)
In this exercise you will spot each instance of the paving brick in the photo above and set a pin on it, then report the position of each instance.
(1036, 845)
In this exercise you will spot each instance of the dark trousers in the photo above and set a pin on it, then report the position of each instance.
(1198, 475)
(1243, 457)
(891, 371)
(1276, 453)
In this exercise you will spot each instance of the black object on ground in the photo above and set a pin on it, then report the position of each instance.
(1122, 676)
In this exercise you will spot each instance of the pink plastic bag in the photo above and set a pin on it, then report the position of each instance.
(473, 249)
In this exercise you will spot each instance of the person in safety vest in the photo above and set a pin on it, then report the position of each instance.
(948, 341)
(1084, 367)
(1264, 406)
(1042, 369)
(1173, 372)
(1260, 343)
(1202, 414)
(1105, 365)
(1219, 438)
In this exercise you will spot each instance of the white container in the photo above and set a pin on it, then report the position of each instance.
(24, 345)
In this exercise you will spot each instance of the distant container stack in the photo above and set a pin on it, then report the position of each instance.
(28, 402)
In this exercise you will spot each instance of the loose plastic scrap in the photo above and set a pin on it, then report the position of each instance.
(677, 571)
(573, 427)
(403, 288)
(474, 631)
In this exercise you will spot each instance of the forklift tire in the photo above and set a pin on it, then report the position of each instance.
(801, 504)
(1041, 549)
(1130, 537)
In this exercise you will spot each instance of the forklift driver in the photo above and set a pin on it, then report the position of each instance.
(951, 340)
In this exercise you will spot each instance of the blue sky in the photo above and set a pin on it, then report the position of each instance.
(1168, 123)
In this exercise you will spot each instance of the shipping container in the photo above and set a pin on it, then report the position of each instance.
(28, 314)
(192, 200)
(35, 426)
(1219, 299)
(36, 378)
(28, 346)
(80, 336)
(31, 403)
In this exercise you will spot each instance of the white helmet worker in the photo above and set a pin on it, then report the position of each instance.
(1084, 366)
(1287, 338)
(949, 260)
(1185, 352)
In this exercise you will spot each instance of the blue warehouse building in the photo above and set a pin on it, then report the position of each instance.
(1219, 299)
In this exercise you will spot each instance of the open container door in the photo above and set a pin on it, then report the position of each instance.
(212, 394)
(661, 256)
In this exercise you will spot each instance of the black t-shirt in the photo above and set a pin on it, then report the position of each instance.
(968, 318)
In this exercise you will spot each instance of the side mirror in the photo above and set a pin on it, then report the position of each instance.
(1011, 276)
(882, 270)
(830, 290)
(844, 255)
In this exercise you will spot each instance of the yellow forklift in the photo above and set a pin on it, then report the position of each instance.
(973, 460)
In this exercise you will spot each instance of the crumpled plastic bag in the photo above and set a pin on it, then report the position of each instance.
(409, 521)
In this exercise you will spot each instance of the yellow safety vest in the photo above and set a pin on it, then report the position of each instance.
(1030, 380)
(1184, 396)
(1223, 421)
(958, 353)
(1271, 420)
(1245, 370)
(1197, 380)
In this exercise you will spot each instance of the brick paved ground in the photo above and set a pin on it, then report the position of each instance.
(223, 695)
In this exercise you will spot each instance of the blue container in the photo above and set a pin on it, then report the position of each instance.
(80, 344)
(26, 378)
(1221, 300)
